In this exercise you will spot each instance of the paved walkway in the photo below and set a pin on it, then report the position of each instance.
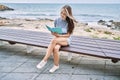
(15, 64)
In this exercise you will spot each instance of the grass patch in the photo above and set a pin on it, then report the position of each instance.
(116, 38)
(107, 32)
(87, 30)
(95, 36)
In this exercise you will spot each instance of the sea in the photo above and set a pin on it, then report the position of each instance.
(82, 12)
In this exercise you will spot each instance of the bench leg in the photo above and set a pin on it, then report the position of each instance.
(29, 48)
(69, 56)
(114, 60)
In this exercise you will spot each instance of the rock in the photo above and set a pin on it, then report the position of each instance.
(101, 22)
(111, 21)
(117, 25)
(109, 25)
(36, 27)
(49, 19)
(3, 8)
(45, 19)
(2, 18)
(28, 19)
(86, 24)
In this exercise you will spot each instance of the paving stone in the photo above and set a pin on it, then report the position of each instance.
(59, 71)
(2, 75)
(20, 76)
(17, 58)
(87, 77)
(38, 51)
(8, 66)
(53, 77)
(14, 48)
(29, 67)
(93, 61)
(112, 77)
(89, 69)
(34, 58)
(65, 68)
(15, 64)
(6, 52)
(4, 57)
(112, 70)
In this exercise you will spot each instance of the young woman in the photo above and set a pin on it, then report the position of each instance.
(66, 22)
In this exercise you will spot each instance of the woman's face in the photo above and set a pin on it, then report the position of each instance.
(63, 14)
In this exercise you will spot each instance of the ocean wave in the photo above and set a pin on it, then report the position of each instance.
(94, 15)
(51, 14)
(80, 17)
(32, 14)
(29, 13)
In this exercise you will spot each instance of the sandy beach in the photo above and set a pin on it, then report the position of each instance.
(81, 29)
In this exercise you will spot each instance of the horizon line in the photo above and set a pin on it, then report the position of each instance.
(58, 3)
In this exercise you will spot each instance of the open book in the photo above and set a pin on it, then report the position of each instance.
(55, 29)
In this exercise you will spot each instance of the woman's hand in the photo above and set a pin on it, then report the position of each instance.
(52, 33)
(58, 35)
(55, 34)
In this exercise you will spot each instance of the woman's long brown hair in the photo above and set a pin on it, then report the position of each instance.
(69, 18)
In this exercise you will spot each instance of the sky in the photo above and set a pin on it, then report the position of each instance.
(59, 1)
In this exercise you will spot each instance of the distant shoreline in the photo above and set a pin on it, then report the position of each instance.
(57, 3)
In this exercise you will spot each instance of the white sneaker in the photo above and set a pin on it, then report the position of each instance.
(41, 64)
(53, 69)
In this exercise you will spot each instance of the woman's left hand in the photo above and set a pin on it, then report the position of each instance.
(56, 34)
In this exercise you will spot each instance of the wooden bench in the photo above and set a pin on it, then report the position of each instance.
(102, 48)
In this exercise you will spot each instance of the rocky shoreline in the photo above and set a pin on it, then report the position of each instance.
(4, 8)
(112, 24)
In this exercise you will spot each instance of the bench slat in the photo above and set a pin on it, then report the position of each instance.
(111, 51)
(85, 52)
(112, 56)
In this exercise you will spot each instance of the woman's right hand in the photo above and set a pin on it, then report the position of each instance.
(53, 33)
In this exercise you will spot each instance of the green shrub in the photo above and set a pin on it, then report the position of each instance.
(116, 38)
(107, 32)
(87, 30)
(95, 36)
